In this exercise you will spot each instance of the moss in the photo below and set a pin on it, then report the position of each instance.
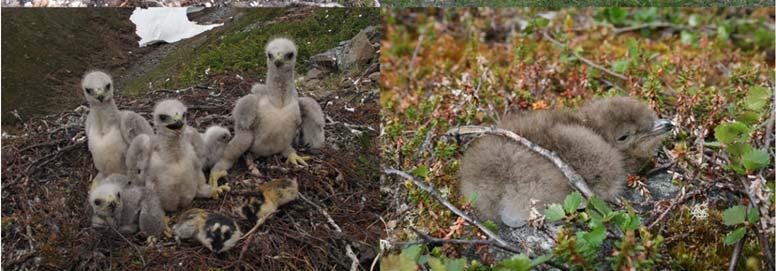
(239, 48)
(699, 243)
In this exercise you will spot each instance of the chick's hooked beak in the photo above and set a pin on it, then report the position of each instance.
(662, 126)
(100, 95)
(176, 124)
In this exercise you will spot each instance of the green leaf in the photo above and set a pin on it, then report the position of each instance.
(616, 15)
(595, 237)
(600, 205)
(436, 264)
(620, 66)
(421, 171)
(689, 38)
(713, 144)
(753, 216)
(397, 263)
(734, 236)
(738, 149)
(412, 252)
(541, 259)
(518, 262)
(748, 117)
(473, 197)
(646, 15)
(734, 215)
(755, 159)
(554, 212)
(693, 20)
(729, 132)
(757, 97)
(722, 33)
(572, 201)
(492, 226)
(455, 264)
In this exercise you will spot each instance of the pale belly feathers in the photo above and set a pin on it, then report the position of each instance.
(176, 179)
(108, 150)
(276, 129)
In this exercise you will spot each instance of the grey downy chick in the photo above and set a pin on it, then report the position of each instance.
(127, 208)
(109, 131)
(508, 176)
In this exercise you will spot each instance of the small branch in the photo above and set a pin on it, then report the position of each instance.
(674, 203)
(434, 194)
(573, 177)
(139, 254)
(618, 31)
(583, 59)
(736, 253)
(437, 241)
(348, 249)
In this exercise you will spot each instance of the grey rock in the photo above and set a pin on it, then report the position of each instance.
(360, 52)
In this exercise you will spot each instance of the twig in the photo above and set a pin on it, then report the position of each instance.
(736, 253)
(618, 31)
(764, 243)
(348, 249)
(574, 179)
(139, 254)
(583, 59)
(435, 240)
(674, 203)
(434, 194)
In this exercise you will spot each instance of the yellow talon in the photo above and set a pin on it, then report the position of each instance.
(167, 230)
(296, 159)
(218, 190)
(151, 241)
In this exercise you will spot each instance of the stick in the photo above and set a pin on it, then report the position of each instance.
(583, 59)
(618, 31)
(348, 249)
(736, 253)
(434, 194)
(574, 179)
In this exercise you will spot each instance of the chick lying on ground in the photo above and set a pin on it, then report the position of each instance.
(260, 205)
(604, 141)
(215, 231)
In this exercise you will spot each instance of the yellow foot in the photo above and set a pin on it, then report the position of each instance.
(218, 190)
(296, 159)
(151, 241)
(167, 230)
(214, 176)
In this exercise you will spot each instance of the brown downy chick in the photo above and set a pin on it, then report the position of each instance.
(215, 231)
(507, 175)
(629, 126)
(266, 201)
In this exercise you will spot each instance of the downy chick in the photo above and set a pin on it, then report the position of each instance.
(126, 208)
(215, 231)
(109, 131)
(266, 120)
(269, 197)
(507, 175)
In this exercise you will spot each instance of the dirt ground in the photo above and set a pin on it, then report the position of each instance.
(46, 169)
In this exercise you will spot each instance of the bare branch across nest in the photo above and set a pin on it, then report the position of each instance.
(572, 176)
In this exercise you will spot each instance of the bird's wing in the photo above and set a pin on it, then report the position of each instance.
(133, 124)
(195, 139)
(245, 112)
(138, 157)
(310, 131)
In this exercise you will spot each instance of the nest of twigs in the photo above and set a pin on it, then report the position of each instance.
(47, 169)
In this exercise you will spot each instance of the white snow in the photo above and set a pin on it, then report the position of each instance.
(165, 25)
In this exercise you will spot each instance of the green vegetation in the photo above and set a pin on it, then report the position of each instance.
(575, 3)
(708, 70)
(239, 48)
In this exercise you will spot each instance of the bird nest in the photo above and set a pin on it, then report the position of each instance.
(47, 170)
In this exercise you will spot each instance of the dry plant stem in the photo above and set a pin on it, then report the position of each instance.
(736, 253)
(618, 31)
(761, 235)
(574, 179)
(434, 194)
(139, 254)
(348, 249)
(583, 59)
(674, 203)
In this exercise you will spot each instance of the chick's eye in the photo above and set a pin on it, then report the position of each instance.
(227, 235)
(107, 87)
(622, 138)
(269, 55)
(118, 195)
(88, 91)
(164, 118)
(98, 202)
(289, 55)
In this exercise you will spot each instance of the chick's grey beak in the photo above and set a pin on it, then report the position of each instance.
(278, 63)
(662, 126)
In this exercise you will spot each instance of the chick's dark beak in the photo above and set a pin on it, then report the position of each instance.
(112, 205)
(278, 63)
(175, 125)
(662, 126)
(100, 98)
